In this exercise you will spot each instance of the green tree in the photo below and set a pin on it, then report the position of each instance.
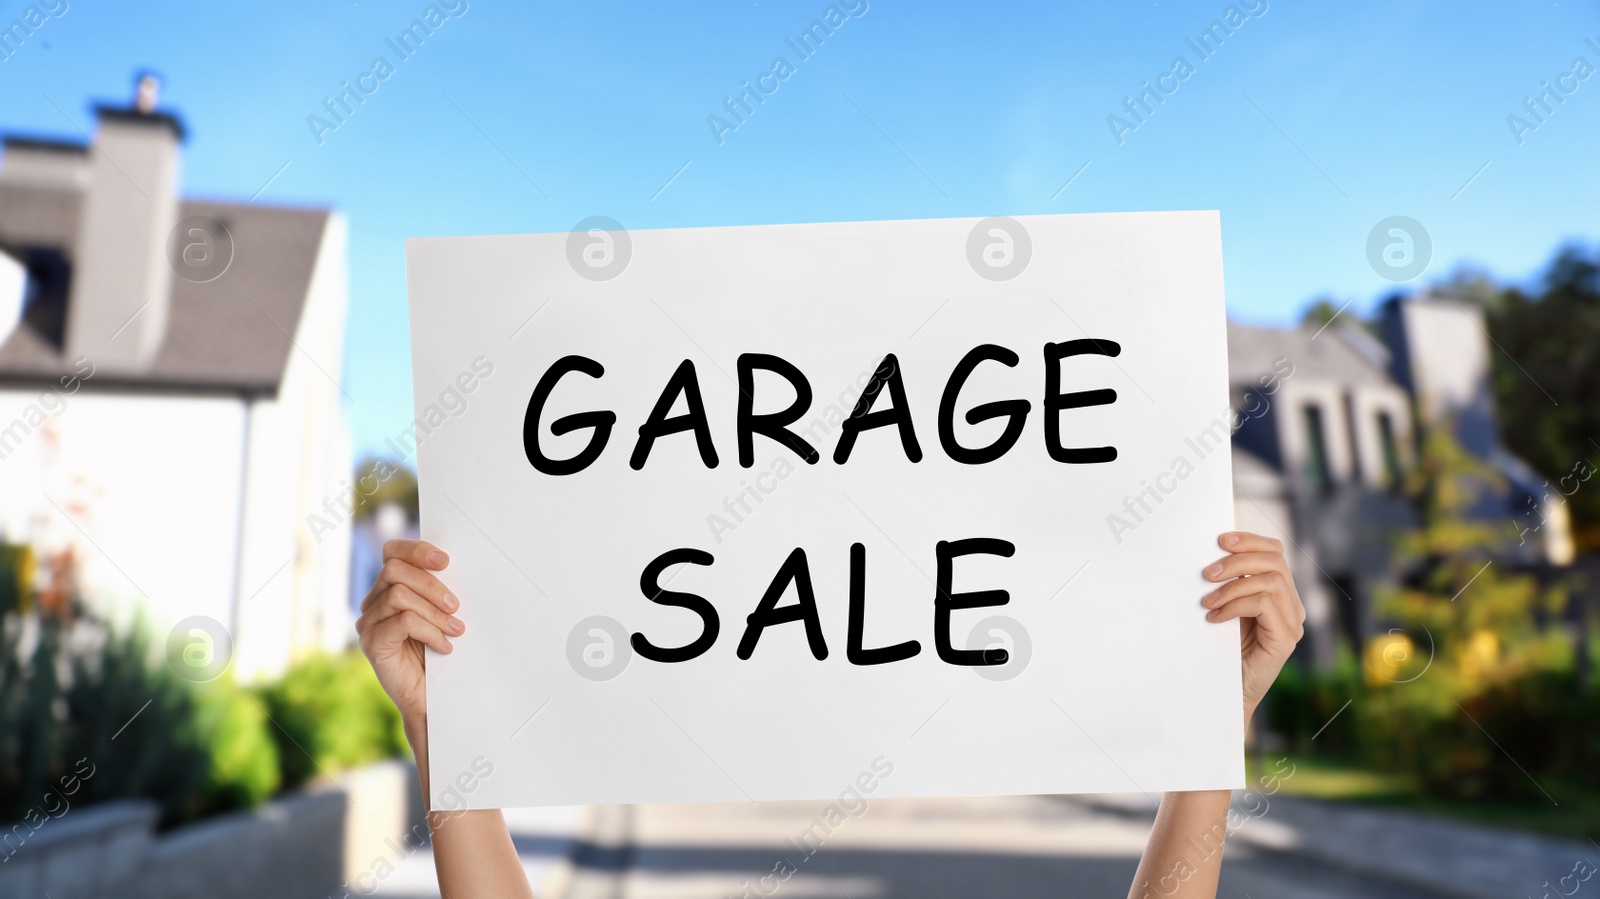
(1547, 377)
(1320, 312)
(380, 481)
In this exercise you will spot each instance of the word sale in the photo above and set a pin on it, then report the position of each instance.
(795, 570)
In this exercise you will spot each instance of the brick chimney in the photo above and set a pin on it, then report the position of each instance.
(121, 281)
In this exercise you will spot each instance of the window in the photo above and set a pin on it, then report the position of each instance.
(1317, 472)
(1391, 451)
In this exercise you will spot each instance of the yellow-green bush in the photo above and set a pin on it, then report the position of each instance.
(17, 565)
(331, 713)
(1473, 687)
(244, 769)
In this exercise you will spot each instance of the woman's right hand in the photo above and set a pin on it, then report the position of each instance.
(407, 609)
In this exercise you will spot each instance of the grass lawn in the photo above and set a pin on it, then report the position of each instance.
(1574, 814)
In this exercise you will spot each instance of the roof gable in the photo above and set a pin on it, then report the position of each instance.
(231, 334)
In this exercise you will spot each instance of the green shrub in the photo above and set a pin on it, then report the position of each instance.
(244, 769)
(1305, 704)
(16, 577)
(330, 714)
(86, 700)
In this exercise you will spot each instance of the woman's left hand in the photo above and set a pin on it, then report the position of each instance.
(1260, 591)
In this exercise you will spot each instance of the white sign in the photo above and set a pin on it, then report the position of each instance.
(742, 513)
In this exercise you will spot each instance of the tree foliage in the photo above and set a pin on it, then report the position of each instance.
(381, 481)
(1547, 380)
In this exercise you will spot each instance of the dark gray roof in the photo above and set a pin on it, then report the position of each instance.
(125, 114)
(1254, 351)
(231, 334)
(46, 144)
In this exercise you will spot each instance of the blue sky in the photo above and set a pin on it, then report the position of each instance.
(1307, 126)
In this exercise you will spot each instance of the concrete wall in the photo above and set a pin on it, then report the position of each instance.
(310, 844)
(87, 852)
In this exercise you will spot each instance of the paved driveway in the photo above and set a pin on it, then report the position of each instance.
(987, 847)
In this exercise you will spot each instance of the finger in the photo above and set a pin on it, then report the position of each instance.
(1295, 609)
(1246, 542)
(400, 598)
(1239, 564)
(408, 625)
(397, 571)
(1287, 598)
(1255, 605)
(400, 567)
(418, 552)
(1274, 628)
(1272, 584)
(1279, 585)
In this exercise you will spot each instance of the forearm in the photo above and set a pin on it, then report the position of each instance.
(1183, 857)
(472, 849)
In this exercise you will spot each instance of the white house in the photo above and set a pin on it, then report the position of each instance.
(170, 406)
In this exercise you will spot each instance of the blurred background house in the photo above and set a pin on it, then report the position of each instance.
(169, 371)
(1329, 419)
